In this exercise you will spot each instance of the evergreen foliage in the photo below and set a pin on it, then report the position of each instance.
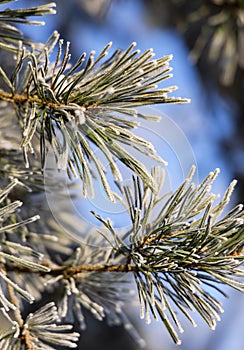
(178, 247)
(219, 27)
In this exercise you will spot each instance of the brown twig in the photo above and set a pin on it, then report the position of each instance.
(70, 271)
(14, 301)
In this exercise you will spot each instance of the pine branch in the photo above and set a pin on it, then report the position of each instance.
(39, 329)
(172, 256)
(177, 248)
(219, 24)
(11, 251)
(74, 109)
(184, 249)
(12, 167)
(10, 35)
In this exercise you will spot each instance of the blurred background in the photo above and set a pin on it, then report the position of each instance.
(206, 38)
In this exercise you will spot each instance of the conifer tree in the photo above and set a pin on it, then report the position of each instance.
(178, 247)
